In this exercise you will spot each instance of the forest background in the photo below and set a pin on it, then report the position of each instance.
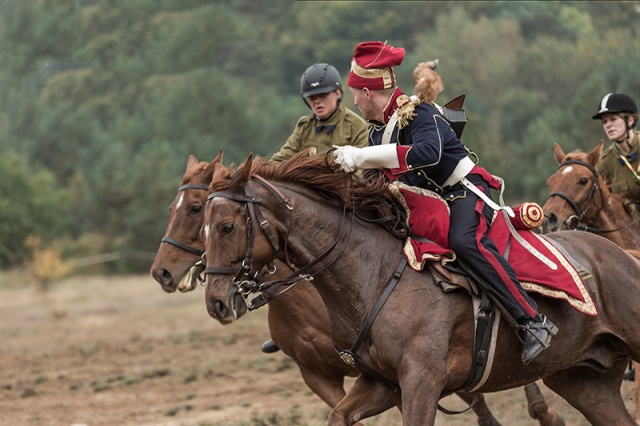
(102, 101)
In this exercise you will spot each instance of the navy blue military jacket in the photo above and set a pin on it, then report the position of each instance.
(435, 149)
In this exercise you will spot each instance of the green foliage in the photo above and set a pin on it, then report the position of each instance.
(107, 98)
(30, 203)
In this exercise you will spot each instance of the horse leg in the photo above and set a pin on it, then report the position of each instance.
(636, 365)
(538, 408)
(366, 398)
(596, 395)
(329, 387)
(485, 418)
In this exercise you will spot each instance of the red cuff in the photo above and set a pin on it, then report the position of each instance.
(402, 151)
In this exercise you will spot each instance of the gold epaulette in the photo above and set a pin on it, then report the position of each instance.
(405, 110)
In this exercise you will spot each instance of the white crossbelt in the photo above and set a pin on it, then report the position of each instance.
(462, 169)
(480, 193)
(388, 130)
(508, 210)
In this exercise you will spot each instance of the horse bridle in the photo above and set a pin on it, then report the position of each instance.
(247, 280)
(180, 244)
(581, 209)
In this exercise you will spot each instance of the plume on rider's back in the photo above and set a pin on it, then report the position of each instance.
(427, 81)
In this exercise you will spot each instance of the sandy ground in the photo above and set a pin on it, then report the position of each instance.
(119, 351)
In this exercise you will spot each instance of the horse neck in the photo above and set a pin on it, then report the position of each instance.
(351, 285)
(613, 216)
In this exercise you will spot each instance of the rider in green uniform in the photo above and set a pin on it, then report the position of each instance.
(330, 123)
(619, 164)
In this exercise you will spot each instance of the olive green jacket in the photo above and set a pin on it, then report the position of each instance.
(350, 129)
(620, 180)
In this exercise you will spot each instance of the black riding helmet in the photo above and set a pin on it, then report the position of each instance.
(615, 102)
(320, 78)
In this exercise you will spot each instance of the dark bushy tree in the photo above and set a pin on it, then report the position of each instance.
(108, 98)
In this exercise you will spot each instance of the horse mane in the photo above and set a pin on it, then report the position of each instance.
(368, 197)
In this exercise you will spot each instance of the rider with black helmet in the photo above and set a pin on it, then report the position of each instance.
(619, 164)
(330, 122)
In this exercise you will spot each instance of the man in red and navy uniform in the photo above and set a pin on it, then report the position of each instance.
(412, 142)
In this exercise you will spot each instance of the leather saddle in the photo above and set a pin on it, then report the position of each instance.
(450, 276)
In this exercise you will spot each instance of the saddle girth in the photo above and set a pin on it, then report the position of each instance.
(451, 277)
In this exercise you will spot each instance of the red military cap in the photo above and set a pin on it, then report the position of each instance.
(371, 65)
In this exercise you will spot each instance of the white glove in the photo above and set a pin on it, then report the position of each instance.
(351, 158)
(344, 157)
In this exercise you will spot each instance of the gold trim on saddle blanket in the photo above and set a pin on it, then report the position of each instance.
(587, 307)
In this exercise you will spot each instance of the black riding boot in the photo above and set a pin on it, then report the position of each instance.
(537, 336)
(270, 347)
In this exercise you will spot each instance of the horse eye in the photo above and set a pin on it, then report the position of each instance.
(227, 228)
(195, 209)
(583, 181)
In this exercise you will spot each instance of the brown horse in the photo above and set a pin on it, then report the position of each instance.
(298, 321)
(294, 316)
(419, 346)
(580, 199)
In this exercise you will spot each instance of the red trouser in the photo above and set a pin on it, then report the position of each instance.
(470, 221)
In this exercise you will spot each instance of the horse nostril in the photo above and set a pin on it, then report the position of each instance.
(552, 221)
(166, 277)
(220, 308)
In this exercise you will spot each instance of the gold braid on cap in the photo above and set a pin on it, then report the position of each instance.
(386, 74)
(405, 110)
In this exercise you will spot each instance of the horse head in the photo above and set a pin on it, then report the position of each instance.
(236, 252)
(577, 191)
(249, 223)
(178, 260)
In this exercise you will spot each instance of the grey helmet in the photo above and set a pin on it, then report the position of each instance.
(320, 78)
(616, 102)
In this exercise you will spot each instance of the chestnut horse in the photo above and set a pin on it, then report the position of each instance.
(298, 321)
(294, 316)
(580, 199)
(419, 347)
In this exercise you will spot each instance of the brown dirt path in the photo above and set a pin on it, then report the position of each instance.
(101, 351)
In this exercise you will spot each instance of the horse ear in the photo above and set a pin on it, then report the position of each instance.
(217, 171)
(558, 153)
(210, 170)
(218, 158)
(594, 155)
(191, 162)
(242, 175)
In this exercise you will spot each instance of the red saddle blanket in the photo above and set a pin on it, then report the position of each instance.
(539, 264)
